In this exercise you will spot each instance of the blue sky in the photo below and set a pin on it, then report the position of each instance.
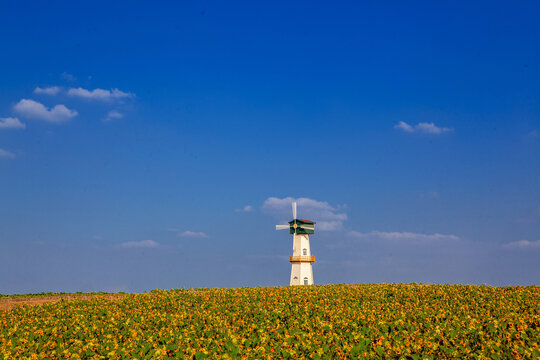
(152, 146)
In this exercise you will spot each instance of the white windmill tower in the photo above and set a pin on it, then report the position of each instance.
(301, 269)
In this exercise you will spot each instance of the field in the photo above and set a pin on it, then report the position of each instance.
(318, 322)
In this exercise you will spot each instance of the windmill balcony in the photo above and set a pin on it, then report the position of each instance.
(310, 259)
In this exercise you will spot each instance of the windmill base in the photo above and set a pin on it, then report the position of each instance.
(301, 273)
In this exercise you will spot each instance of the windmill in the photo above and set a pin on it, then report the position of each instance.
(301, 268)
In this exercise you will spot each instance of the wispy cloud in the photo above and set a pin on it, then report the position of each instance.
(326, 216)
(430, 195)
(402, 125)
(113, 115)
(401, 236)
(99, 94)
(139, 244)
(11, 123)
(532, 217)
(425, 128)
(192, 234)
(36, 110)
(68, 77)
(6, 154)
(246, 208)
(51, 90)
(523, 244)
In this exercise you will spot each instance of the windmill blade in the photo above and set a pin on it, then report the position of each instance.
(307, 226)
(282, 227)
(294, 210)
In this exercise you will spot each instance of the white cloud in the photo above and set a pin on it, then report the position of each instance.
(11, 123)
(246, 208)
(113, 115)
(139, 244)
(6, 154)
(68, 77)
(192, 234)
(34, 109)
(99, 94)
(426, 128)
(51, 90)
(404, 126)
(401, 236)
(523, 244)
(326, 216)
(431, 128)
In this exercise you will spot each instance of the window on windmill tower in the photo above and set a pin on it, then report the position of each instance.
(305, 281)
(305, 251)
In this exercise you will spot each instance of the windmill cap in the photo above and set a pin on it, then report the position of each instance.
(302, 221)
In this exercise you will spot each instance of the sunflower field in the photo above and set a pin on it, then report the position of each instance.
(385, 321)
